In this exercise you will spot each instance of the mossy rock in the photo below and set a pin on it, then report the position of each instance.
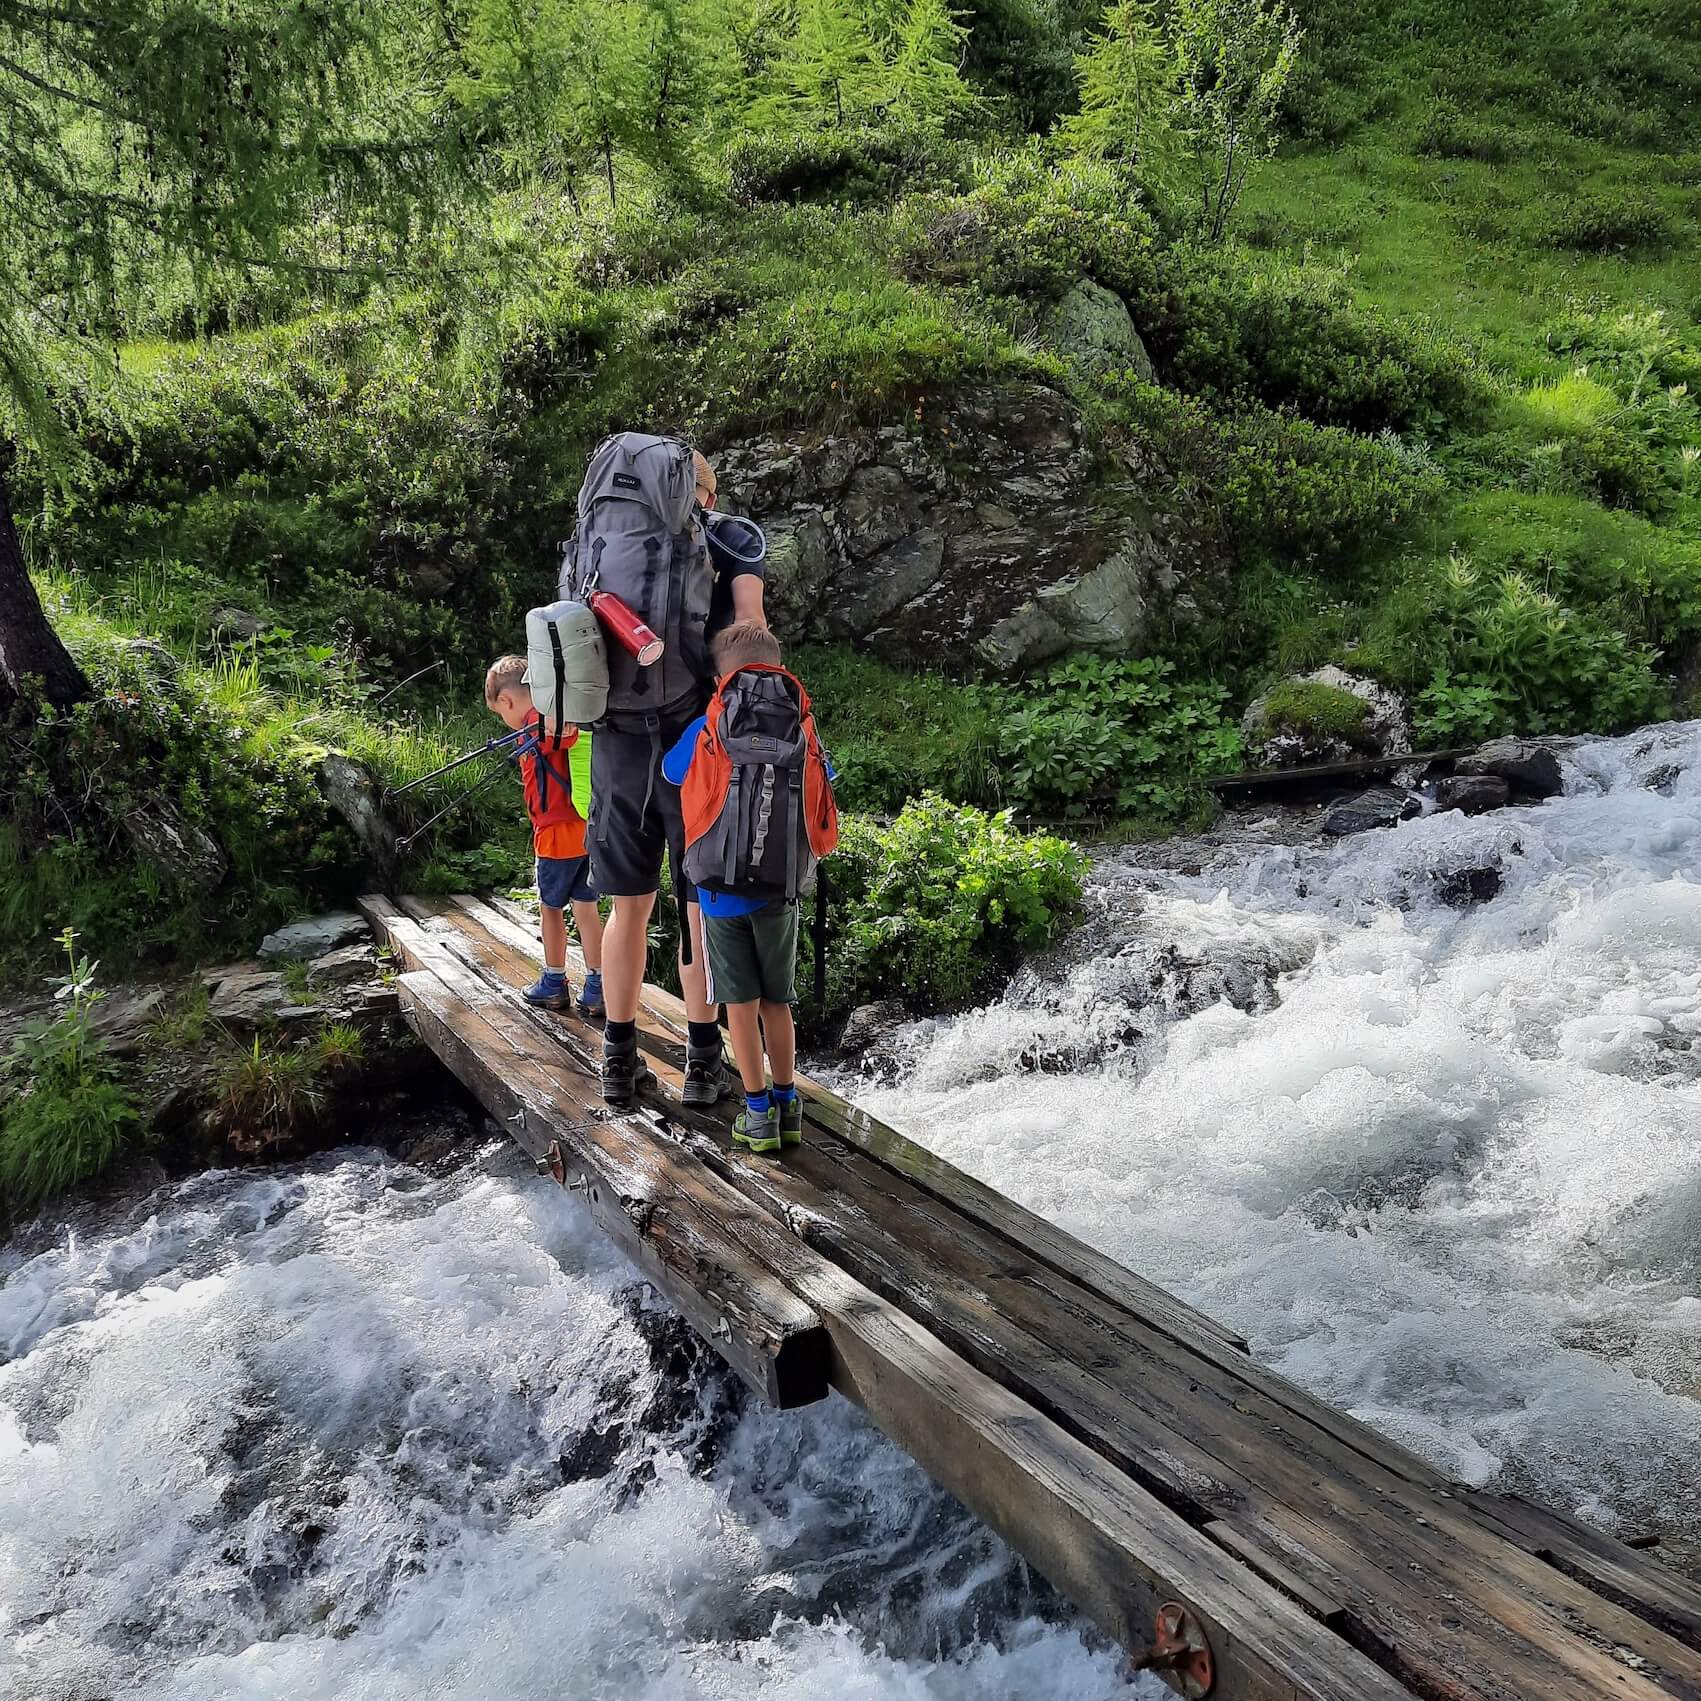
(1326, 711)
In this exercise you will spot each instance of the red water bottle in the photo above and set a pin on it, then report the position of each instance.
(629, 631)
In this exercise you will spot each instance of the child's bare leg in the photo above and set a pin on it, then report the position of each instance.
(779, 1032)
(587, 920)
(554, 925)
(747, 1045)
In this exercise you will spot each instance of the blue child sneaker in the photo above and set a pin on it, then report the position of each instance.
(589, 1002)
(549, 993)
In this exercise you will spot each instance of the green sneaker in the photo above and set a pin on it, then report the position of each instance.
(790, 1112)
(763, 1136)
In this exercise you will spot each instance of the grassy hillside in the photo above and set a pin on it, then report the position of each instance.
(1436, 389)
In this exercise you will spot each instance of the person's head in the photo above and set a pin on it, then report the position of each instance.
(505, 692)
(708, 486)
(745, 643)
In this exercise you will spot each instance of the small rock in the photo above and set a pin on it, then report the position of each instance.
(344, 967)
(185, 857)
(1461, 888)
(870, 1025)
(120, 1017)
(1473, 794)
(153, 655)
(1093, 327)
(238, 623)
(1663, 779)
(349, 788)
(246, 996)
(173, 1107)
(1529, 768)
(1386, 728)
(313, 937)
(1381, 806)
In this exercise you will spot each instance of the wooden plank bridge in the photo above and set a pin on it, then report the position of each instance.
(1234, 1534)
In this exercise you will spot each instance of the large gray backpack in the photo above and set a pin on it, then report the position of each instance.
(640, 540)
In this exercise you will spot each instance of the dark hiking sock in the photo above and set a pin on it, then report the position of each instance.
(620, 1036)
(703, 1036)
(785, 1094)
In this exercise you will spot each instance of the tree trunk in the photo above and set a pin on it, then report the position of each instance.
(608, 165)
(29, 647)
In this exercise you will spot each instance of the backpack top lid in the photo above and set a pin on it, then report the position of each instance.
(638, 467)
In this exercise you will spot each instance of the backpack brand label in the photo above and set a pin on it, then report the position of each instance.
(625, 481)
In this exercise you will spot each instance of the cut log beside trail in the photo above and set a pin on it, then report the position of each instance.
(1232, 1532)
(1325, 773)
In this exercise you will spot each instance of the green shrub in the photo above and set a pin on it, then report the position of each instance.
(1097, 733)
(1304, 705)
(1294, 338)
(939, 906)
(1444, 132)
(64, 1117)
(1608, 223)
(835, 165)
(1618, 469)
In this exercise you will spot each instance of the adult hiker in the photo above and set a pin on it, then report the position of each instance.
(737, 551)
(641, 541)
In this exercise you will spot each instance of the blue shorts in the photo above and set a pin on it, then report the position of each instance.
(564, 880)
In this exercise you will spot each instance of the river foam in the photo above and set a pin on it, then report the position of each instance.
(358, 1431)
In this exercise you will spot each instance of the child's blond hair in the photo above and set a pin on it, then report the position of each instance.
(504, 674)
(743, 644)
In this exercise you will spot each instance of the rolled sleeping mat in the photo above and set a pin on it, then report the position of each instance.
(566, 665)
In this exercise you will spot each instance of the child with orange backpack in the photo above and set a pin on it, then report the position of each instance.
(757, 798)
(558, 838)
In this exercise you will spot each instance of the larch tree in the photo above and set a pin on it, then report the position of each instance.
(924, 80)
(214, 135)
(831, 72)
(1128, 86)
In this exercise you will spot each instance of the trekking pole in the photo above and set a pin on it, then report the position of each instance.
(488, 748)
(453, 804)
(820, 932)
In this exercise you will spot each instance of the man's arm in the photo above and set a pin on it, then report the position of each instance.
(747, 598)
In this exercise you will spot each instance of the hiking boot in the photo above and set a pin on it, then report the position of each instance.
(789, 1113)
(756, 1134)
(589, 1009)
(544, 996)
(705, 1077)
(623, 1073)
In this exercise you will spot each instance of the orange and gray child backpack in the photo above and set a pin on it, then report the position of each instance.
(758, 805)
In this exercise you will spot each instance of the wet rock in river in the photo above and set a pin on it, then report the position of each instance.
(1472, 794)
(1529, 768)
(1380, 806)
(870, 1025)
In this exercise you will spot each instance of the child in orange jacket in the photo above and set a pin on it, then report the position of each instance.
(558, 837)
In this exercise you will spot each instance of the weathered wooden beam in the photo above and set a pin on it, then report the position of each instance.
(630, 1181)
(1004, 1217)
(1320, 773)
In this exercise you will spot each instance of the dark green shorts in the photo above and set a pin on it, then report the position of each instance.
(753, 956)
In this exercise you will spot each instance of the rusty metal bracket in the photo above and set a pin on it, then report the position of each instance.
(550, 1163)
(1180, 1653)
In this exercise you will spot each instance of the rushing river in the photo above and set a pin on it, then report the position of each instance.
(364, 1430)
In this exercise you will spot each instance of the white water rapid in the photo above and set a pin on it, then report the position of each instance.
(360, 1431)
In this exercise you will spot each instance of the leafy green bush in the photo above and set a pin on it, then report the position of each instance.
(1294, 338)
(1305, 705)
(937, 907)
(835, 165)
(1110, 734)
(64, 1117)
(1608, 223)
(1444, 132)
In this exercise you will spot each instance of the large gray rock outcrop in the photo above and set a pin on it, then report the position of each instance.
(351, 790)
(314, 936)
(987, 532)
(185, 856)
(1092, 327)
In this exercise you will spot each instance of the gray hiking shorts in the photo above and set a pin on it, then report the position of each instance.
(636, 815)
(753, 956)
